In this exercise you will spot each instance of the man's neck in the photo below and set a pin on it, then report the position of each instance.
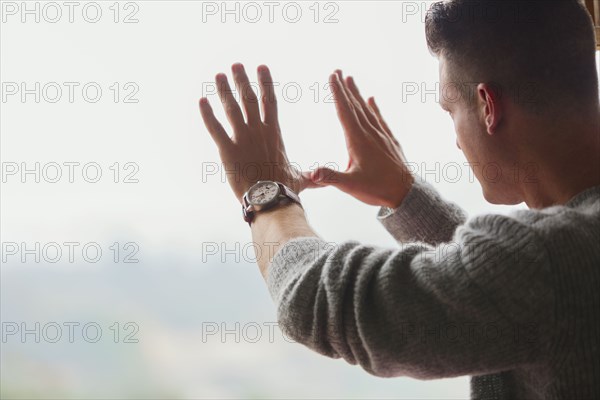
(565, 167)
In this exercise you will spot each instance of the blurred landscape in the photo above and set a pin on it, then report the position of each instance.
(189, 346)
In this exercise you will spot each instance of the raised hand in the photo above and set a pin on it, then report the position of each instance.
(376, 173)
(255, 151)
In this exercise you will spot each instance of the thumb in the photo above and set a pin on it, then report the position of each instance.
(306, 181)
(330, 177)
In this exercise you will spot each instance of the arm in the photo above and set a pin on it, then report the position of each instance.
(274, 228)
(376, 172)
(426, 312)
(423, 216)
(367, 304)
(257, 142)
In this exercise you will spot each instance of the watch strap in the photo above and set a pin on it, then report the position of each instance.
(247, 209)
(289, 193)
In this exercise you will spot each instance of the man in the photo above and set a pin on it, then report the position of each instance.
(510, 300)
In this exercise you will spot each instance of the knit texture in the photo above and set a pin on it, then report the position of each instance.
(509, 299)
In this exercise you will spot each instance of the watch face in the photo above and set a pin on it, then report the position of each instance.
(263, 193)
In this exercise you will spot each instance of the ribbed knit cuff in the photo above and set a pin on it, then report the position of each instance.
(423, 216)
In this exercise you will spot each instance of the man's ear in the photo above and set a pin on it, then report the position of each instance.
(491, 106)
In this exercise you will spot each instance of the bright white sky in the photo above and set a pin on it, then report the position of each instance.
(172, 57)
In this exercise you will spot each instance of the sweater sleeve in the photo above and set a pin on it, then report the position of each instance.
(423, 216)
(470, 306)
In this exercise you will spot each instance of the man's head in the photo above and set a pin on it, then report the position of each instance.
(508, 70)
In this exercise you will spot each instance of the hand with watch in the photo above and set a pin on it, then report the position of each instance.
(266, 195)
(376, 174)
(255, 152)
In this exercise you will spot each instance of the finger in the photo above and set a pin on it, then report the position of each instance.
(355, 104)
(213, 125)
(363, 110)
(268, 99)
(384, 125)
(340, 76)
(306, 181)
(232, 109)
(249, 99)
(360, 112)
(373, 106)
(346, 113)
(330, 177)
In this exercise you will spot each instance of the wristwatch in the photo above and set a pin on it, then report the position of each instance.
(264, 195)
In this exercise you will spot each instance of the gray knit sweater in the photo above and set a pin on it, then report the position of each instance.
(510, 300)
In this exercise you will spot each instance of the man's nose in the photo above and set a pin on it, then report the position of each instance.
(458, 145)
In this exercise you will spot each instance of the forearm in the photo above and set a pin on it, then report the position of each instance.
(273, 228)
(418, 311)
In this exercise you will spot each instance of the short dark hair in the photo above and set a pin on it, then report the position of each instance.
(540, 51)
